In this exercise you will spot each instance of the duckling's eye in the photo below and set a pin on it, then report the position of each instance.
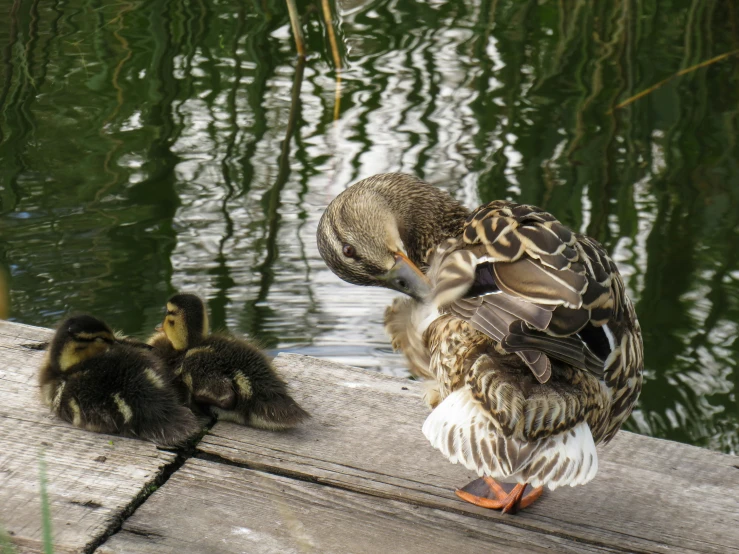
(349, 251)
(170, 322)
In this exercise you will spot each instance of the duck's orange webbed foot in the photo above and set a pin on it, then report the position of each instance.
(488, 493)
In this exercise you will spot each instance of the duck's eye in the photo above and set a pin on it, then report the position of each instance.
(349, 251)
(170, 322)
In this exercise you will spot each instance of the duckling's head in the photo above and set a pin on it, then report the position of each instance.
(186, 322)
(78, 338)
(379, 230)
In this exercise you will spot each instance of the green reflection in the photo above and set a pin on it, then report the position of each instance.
(147, 147)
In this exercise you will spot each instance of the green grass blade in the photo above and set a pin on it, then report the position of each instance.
(6, 547)
(45, 509)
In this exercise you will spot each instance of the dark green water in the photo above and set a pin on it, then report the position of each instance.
(161, 145)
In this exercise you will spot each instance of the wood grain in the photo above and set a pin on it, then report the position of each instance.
(211, 507)
(358, 477)
(365, 435)
(92, 478)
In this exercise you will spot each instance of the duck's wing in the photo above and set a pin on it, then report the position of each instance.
(530, 283)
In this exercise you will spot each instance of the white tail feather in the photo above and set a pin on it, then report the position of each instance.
(461, 429)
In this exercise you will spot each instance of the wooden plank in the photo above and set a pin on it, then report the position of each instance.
(92, 478)
(365, 435)
(211, 507)
(364, 441)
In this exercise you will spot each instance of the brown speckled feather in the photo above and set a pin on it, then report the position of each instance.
(401, 323)
(530, 283)
(502, 421)
(551, 296)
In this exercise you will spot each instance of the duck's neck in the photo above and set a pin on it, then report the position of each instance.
(425, 218)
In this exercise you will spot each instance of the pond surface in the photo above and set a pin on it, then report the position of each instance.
(162, 145)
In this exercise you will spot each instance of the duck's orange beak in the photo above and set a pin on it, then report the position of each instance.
(405, 277)
(159, 328)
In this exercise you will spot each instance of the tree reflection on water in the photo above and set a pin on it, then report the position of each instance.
(153, 146)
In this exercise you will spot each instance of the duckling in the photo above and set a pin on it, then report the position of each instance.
(225, 376)
(524, 326)
(118, 335)
(97, 383)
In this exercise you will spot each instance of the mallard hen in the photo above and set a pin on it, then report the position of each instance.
(532, 343)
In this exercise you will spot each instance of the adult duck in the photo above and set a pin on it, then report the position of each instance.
(523, 325)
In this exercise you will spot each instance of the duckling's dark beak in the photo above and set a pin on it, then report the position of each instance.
(405, 277)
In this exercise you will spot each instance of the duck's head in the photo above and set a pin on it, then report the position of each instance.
(186, 322)
(379, 230)
(78, 338)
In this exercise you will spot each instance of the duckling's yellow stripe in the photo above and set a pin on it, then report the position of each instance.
(244, 385)
(124, 408)
(91, 336)
(75, 352)
(154, 378)
(56, 401)
(68, 357)
(199, 350)
(76, 412)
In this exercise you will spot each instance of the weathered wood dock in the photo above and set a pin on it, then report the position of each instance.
(359, 477)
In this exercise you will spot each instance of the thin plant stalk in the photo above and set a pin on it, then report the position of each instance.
(671, 77)
(337, 97)
(331, 35)
(335, 53)
(297, 29)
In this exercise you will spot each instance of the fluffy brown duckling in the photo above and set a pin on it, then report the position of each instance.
(531, 340)
(97, 383)
(223, 375)
(120, 338)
